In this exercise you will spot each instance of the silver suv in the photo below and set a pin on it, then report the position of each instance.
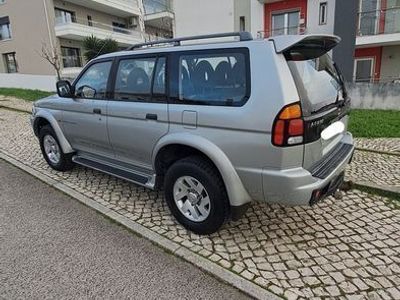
(216, 125)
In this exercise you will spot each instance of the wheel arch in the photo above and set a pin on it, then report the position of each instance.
(198, 145)
(43, 118)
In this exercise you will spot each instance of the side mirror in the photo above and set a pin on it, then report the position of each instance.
(64, 89)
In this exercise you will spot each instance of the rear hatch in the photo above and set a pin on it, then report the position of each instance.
(324, 101)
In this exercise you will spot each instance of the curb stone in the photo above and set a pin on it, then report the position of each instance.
(374, 186)
(206, 265)
(377, 151)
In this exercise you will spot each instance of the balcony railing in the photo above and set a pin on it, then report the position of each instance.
(152, 37)
(300, 29)
(382, 21)
(157, 6)
(94, 24)
(121, 8)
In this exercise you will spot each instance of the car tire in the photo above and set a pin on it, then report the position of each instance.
(196, 196)
(52, 151)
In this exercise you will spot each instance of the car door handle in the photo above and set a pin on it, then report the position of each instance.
(97, 111)
(151, 116)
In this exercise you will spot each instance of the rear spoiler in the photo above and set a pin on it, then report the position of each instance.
(302, 47)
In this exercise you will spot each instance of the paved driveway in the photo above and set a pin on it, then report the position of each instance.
(339, 248)
(51, 246)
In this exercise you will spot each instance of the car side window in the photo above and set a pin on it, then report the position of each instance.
(213, 79)
(134, 79)
(93, 83)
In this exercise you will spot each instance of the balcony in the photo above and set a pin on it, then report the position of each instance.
(120, 8)
(158, 14)
(378, 28)
(78, 30)
(300, 29)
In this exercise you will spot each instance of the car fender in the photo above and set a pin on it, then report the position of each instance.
(43, 113)
(236, 192)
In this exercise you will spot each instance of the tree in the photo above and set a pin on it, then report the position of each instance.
(95, 47)
(53, 57)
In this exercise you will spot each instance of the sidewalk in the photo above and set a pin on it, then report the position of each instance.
(339, 248)
(15, 103)
(388, 145)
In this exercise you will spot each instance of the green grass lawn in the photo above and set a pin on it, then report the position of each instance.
(375, 123)
(29, 95)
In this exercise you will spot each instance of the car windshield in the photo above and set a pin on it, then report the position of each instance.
(318, 82)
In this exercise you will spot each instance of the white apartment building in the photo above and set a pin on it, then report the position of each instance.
(27, 26)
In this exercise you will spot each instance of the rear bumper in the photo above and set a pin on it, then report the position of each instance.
(296, 186)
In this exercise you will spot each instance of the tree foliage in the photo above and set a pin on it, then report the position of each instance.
(95, 47)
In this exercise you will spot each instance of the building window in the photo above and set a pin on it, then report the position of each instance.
(10, 62)
(89, 21)
(368, 17)
(5, 29)
(71, 57)
(242, 23)
(285, 23)
(363, 69)
(323, 13)
(64, 16)
(119, 27)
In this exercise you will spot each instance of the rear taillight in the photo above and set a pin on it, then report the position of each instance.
(288, 127)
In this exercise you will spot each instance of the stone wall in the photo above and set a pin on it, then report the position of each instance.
(375, 95)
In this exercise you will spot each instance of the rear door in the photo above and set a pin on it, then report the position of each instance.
(138, 110)
(323, 96)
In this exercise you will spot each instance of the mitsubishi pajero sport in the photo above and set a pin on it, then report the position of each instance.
(216, 125)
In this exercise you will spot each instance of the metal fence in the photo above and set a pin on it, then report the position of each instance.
(300, 29)
(381, 21)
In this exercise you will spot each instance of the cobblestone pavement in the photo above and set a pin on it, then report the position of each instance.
(15, 103)
(381, 169)
(380, 144)
(339, 248)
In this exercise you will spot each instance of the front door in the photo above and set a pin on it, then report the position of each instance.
(85, 117)
(138, 112)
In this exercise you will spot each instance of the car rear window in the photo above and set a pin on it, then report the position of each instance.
(318, 82)
(213, 78)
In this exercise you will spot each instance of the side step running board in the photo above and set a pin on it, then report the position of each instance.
(141, 179)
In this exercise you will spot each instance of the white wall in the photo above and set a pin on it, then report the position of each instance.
(193, 17)
(313, 17)
(27, 81)
(242, 8)
(257, 17)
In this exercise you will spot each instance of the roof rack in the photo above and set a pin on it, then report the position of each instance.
(243, 36)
